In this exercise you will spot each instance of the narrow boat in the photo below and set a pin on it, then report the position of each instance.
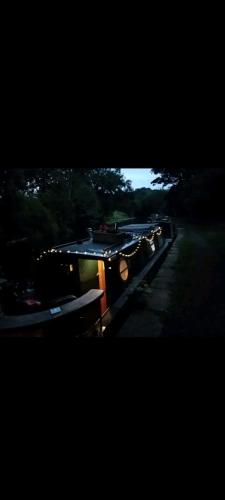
(79, 281)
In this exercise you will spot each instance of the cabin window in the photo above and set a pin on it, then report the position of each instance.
(67, 268)
(123, 270)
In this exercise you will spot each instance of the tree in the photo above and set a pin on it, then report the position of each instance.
(108, 184)
(170, 175)
(107, 181)
(148, 201)
(194, 193)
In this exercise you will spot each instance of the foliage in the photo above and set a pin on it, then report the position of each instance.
(116, 216)
(148, 201)
(110, 187)
(195, 193)
(172, 175)
(53, 205)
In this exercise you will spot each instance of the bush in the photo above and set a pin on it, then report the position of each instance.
(116, 216)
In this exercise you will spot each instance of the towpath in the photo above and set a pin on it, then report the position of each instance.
(151, 300)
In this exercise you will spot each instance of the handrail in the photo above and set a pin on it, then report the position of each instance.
(40, 317)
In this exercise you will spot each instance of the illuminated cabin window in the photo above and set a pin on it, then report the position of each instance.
(123, 269)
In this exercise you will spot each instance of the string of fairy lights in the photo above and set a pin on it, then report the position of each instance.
(107, 253)
(149, 240)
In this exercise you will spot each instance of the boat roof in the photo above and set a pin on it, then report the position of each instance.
(88, 247)
(138, 228)
(91, 248)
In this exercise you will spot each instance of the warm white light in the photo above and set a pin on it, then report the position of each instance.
(123, 268)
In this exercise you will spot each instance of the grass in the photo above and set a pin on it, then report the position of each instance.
(198, 298)
(116, 216)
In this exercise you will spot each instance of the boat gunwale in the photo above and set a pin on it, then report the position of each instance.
(16, 322)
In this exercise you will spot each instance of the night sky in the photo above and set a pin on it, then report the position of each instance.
(140, 177)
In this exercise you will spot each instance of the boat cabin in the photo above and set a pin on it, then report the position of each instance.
(106, 260)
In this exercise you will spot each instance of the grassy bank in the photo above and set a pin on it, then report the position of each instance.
(197, 305)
